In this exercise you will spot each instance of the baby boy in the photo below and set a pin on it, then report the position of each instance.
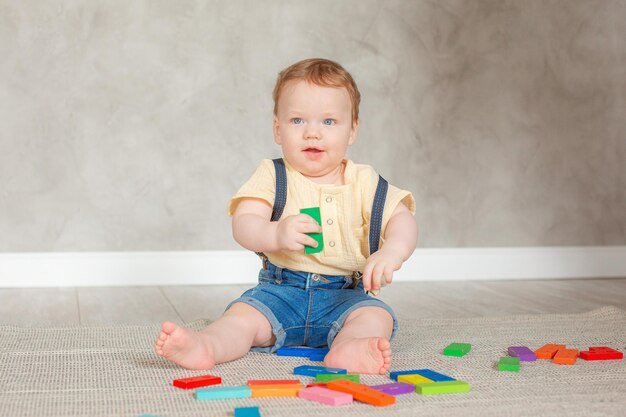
(318, 299)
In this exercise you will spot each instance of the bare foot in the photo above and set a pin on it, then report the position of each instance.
(369, 355)
(184, 347)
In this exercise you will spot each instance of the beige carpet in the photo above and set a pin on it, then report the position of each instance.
(112, 371)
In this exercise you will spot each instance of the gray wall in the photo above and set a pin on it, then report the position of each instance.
(127, 125)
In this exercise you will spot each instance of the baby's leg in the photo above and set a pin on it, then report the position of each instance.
(229, 337)
(362, 345)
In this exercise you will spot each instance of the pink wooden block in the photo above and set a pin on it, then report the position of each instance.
(325, 396)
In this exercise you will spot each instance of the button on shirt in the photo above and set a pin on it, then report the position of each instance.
(345, 213)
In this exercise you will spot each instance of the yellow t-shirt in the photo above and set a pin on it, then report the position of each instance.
(345, 212)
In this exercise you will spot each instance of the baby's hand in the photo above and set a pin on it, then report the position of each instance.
(381, 265)
(291, 232)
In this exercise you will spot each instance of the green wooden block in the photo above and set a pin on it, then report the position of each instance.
(332, 377)
(315, 213)
(457, 349)
(443, 387)
(509, 363)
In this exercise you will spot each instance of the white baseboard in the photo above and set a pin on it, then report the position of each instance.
(241, 267)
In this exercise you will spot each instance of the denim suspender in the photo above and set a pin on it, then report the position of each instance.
(281, 189)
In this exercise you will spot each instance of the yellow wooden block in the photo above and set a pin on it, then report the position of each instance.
(414, 379)
(290, 390)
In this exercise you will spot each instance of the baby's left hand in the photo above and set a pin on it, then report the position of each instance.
(381, 265)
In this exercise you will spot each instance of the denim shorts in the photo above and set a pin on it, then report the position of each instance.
(306, 309)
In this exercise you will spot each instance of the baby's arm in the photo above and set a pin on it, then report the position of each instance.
(400, 242)
(253, 229)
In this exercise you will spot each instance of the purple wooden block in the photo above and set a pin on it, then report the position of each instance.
(523, 353)
(395, 389)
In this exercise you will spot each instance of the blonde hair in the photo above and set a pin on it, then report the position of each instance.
(321, 72)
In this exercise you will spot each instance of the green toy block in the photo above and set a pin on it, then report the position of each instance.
(457, 349)
(509, 363)
(315, 213)
(333, 377)
(443, 387)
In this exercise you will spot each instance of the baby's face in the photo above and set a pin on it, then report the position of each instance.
(314, 128)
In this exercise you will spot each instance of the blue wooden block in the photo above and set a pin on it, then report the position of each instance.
(304, 352)
(318, 356)
(309, 370)
(426, 373)
(247, 412)
(435, 376)
(215, 393)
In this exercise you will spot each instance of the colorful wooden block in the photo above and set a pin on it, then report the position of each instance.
(308, 370)
(362, 392)
(523, 353)
(276, 391)
(509, 364)
(317, 356)
(457, 349)
(246, 412)
(315, 213)
(548, 351)
(325, 396)
(316, 384)
(220, 393)
(265, 382)
(197, 381)
(566, 356)
(427, 373)
(444, 387)
(601, 353)
(414, 379)
(396, 388)
(301, 351)
(434, 376)
(334, 377)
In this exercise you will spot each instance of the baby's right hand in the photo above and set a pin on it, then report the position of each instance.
(291, 232)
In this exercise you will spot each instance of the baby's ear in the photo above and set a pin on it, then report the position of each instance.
(353, 130)
(276, 131)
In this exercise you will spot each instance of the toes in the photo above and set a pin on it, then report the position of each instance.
(383, 344)
(168, 327)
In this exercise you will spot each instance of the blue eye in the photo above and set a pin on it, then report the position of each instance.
(329, 122)
(297, 121)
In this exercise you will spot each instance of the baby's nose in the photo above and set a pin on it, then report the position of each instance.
(312, 133)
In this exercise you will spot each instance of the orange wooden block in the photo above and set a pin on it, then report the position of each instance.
(566, 356)
(362, 392)
(290, 390)
(272, 382)
(548, 351)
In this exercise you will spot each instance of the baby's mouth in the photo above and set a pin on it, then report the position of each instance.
(313, 154)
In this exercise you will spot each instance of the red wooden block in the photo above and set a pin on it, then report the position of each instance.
(601, 353)
(362, 392)
(197, 381)
(566, 356)
(317, 384)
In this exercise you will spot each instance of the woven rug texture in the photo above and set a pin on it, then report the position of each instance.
(113, 371)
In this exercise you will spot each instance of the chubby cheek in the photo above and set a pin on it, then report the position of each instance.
(290, 149)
